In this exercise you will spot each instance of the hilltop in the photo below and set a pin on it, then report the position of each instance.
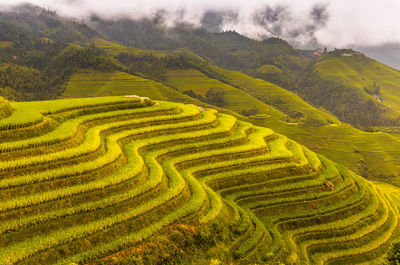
(354, 87)
(356, 70)
(132, 180)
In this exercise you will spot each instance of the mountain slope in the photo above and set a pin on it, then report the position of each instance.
(124, 176)
(362, 72)
(90, 82)
(347, 90)
(374, 155)
(28, 21)
(191, 80)
(282, 99)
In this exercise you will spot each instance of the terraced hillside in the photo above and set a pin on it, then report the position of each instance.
(274, 95)
(115, 48)
(373, 155)
(82, 179)
(89, 82)
(233, 98)
(362, 72)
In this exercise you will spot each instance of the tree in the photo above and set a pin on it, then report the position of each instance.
(215, 97)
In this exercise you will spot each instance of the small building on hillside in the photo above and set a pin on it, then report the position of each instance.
(319, 52)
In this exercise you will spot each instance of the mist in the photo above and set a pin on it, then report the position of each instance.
(304, 23)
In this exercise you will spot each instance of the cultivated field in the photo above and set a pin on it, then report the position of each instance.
(341, 143)
(96, 83)
(5, 44)
(360, 72)
(375, 155)
(84, 178)
(234, 98)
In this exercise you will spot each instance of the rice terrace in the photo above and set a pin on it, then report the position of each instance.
(84, 178)
(257, 132)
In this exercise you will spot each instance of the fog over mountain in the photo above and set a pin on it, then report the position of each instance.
(305, 23)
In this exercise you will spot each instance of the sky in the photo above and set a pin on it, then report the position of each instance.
(334, 23)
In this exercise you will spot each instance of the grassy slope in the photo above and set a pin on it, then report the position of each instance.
(236, 99)
(274, 95)
(360, 71)
(348, 146)
(114, 48)
(269, 69)
(95, 83)
(5, 108)
(5, 44)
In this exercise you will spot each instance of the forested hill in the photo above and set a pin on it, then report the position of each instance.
(34, 36)
(226, 49)
(31, 40)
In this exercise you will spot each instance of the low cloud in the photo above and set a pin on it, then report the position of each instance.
(339, 23)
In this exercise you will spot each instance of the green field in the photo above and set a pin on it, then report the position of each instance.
(89, 82)
(236, 99)
(114, 48)
(114, 179)
(282, 99)
(5, 44)
(360, 71)
(374, 155)
(269, 69)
